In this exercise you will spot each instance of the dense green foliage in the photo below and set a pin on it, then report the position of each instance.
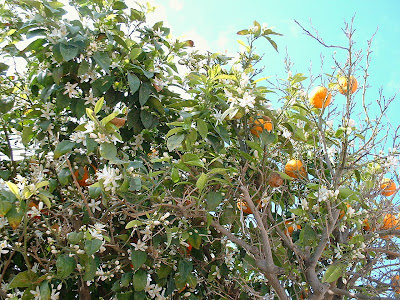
(141, 158)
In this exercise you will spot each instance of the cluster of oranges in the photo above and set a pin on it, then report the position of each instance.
(320, 97)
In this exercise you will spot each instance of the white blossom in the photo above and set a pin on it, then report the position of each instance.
(90, 99)
(139, 246)
(70, 89)
(247, 100)
(48, 111)
(97, 230)
(110, 177)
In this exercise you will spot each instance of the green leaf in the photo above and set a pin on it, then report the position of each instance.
(135, 52)
(75, 237)
(68, 52)
(135, 184)
(213, 200)
(57, 74)
(64, 175)
(45, 291)
(134, 82)
(201, 181)
(144, 92)
(175, 175)
(243, 32)
(46, 200)
(65, 265)
(139, 280)
(133, 223)
(255, 146)
(99, 105)
(272, 43)
(13, 188)
(138, 258)
(94, 191)
(175, 141)
(202, 128)
(164, 271)
(192, 160)
(83, 68)
(185, 267)
(90, 269)
(108, 151)
(103, 60)
(5, 206)
(14, 217)
(284, 175)
(63, 148)
(107, 119)
(173, 131)
(23, 279)
(6, 104)
(148, 120)
(333, 273)
(92, 246)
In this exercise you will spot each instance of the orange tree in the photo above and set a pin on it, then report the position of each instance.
(133, 181)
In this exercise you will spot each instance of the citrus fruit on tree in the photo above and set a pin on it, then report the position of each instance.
(342, 212)
(275, 180)
(396, 283)
(291, 228)
(320, 97)
(295, 169)
(344, 85)
(390, 221)
(242, 205)
(82, 174)
(260, 124)
(388, 187)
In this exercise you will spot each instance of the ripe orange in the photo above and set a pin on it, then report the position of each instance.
(388, 187)
(119, 122)
(366, 226)
(275, 180)
(342, 212)
(295, 169)
(390, 221)
(82, 179)
(343, 85)
(396, 284)
(242, 205)
(291, 228)
(261, 124)
(319, 97)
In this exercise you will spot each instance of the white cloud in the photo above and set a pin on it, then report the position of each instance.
(176, 4)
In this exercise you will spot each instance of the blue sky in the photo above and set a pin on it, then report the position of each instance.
(213, 25)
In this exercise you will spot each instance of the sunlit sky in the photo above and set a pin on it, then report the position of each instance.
(213, 26)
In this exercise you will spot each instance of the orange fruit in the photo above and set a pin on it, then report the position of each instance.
(342, 212)
(275, 180)
(343, 84)
(295, 169)
(119, 122)
(190, 247)
(388, 187)
(261, 124)
(291, 228)
(390, 221)
(366, 226)
(396, 284)
(82, 179)
(319, 97)
(242, 205)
